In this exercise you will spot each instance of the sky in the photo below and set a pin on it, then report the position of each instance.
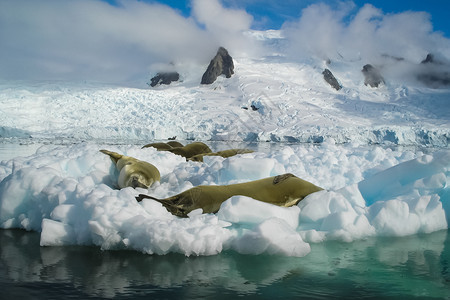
(120, 40)
(271, 14)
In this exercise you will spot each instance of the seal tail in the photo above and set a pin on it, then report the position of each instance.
(114, 155)
(172, 206)
(141, 197)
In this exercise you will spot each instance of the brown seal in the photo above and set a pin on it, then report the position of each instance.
(133, 172)
(283, 190)
(158, 146)
(190, 149)
(224, 153)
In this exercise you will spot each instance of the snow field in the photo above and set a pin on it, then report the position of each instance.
(294, 104)
(67, 193)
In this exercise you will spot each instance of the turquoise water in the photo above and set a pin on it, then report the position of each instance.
(383, 268)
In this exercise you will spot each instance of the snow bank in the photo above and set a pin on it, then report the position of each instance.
(67, 193)
(267, 99)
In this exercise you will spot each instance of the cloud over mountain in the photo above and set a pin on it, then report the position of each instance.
(366, 33)
(94, 40)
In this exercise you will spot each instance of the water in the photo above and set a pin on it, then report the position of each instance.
(383, 268)
(410, 267)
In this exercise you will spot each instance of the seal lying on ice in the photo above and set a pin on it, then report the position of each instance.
(133, 172)
(283, 190)
(175, 147)
(224, 153)
(164, 146)
(190, 149)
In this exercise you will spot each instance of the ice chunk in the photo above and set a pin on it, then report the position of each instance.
(55, 233)
(391, 182)
(246, 168)
(273, 236)
(241, 209)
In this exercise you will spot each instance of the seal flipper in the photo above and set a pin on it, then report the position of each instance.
(172, 204)
(114, 156)
(141, 197)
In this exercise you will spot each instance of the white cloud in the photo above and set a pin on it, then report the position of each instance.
(226, 25)
(90, 39)
(328, 33)
(93, 40)
(318, 31)
(219, 19)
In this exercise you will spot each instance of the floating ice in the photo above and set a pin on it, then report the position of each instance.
(68, 194)
(403, 200)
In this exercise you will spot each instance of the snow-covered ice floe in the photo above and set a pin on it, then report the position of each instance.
(67, 193)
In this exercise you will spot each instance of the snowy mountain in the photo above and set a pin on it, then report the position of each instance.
(269, 98)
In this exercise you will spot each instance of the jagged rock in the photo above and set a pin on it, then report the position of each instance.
(164, 78)
(429, 59)
(432, 60)
(329, 77)
(435, 80)
(372, 76)
(434, 73)
(394, 58)
(221, 64)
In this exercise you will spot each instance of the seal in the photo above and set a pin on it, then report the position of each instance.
(190, 149)
(164, 146)
(158, 146)
(174, 144)
(133, 172)
(224, 154)
(282, 190)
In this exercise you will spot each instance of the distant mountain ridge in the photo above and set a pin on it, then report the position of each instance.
(290, 101)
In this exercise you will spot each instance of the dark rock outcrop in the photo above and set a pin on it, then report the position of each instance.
(434, 73)
(221, 64)
(429, 59)
(391, 57)
(372, 76)
(164, 78)
(435, 80)
(329, 77)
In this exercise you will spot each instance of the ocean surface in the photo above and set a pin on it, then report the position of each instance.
(414, 267)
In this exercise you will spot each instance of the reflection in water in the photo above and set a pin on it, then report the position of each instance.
(382, 267)
(390, 267)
